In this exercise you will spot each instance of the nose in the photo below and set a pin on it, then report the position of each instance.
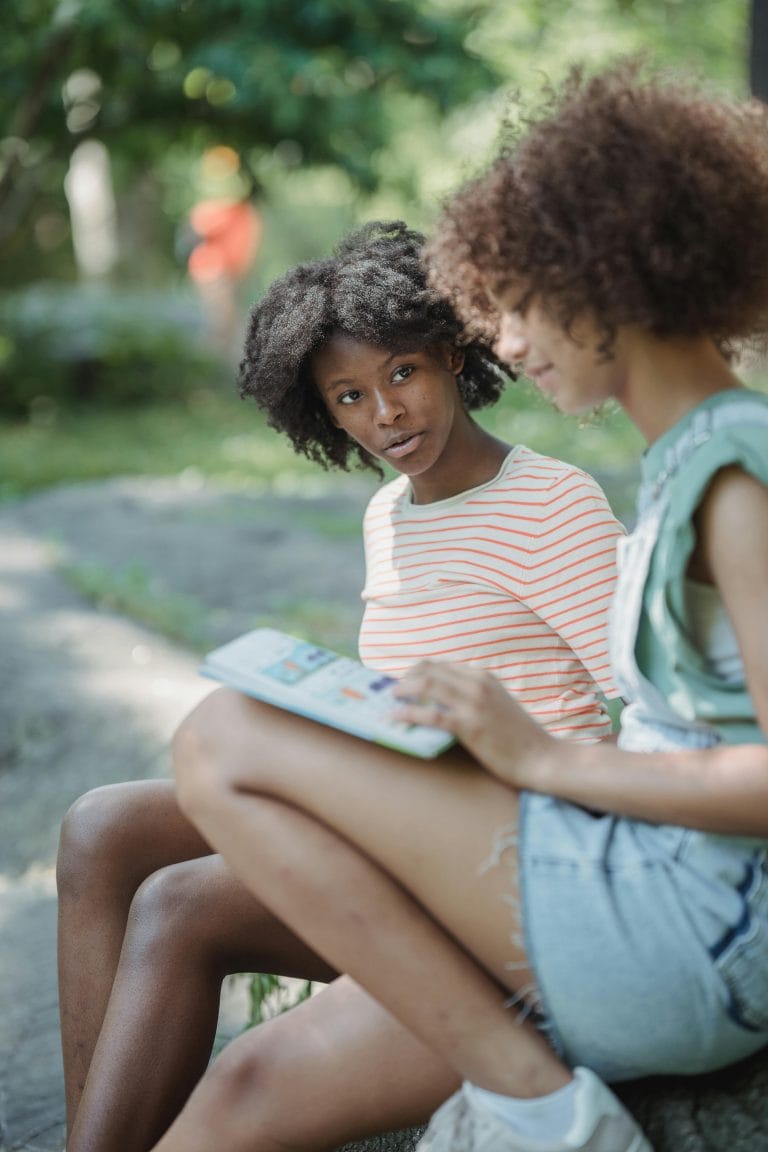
(389, 407)
(512, 342)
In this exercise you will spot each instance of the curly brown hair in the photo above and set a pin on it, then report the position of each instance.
(634, 199)
(374, 289)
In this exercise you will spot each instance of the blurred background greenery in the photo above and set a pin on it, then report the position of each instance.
(120, 117)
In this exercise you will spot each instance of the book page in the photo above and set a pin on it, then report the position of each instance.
(321, 684)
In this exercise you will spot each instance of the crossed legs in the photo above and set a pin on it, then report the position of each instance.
(148, 928)
(371, 858)
(377, 860)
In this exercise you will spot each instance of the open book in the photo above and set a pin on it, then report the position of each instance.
(321, 684)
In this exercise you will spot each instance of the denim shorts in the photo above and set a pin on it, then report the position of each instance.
(649, 943)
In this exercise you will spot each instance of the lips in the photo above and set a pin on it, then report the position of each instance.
(403, 444)
(543, 377)
(537, 371)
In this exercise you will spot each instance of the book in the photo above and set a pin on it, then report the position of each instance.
(321, 684)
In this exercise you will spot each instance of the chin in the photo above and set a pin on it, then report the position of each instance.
(576, 405)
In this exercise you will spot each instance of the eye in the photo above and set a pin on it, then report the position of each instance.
(403, 372)
(523, 304)
(509, 296)
(351, 396)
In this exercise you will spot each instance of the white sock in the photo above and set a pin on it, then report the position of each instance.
(545, 1118)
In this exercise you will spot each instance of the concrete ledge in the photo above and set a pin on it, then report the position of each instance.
(726, 1111)
(404, 1141)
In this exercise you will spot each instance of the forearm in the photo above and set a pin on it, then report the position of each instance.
(722, 789)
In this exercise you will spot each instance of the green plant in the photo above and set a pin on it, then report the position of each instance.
(206, 434)
(74, 343)
(271, 995)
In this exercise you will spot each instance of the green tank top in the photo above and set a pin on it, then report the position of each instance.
(729, 428)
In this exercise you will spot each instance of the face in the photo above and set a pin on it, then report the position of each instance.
(566, 366)
(402, 407)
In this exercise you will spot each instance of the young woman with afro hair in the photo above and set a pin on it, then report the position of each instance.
(477, 551)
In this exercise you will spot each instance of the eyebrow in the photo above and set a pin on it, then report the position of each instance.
(398, 354)
(336, 384)
(504, 289)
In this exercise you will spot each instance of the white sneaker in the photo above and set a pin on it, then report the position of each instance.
(601, 1124)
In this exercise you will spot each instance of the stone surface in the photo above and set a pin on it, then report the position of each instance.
(88, 697)
(726, 1111)
(403, 1141)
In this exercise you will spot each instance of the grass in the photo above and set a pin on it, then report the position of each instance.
(212, 433)
(217, 436)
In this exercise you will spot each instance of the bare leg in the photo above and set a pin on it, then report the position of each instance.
(187, 926)
(190, 925)
(111, 840)
(334, 1069)
(344, 1068)
(395, 895)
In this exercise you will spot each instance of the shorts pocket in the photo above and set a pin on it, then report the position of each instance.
(744, 968)
(742, 957)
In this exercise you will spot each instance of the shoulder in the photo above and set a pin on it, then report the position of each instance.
(557, 483)
(549, 470)
(385, 498)
(733, 459)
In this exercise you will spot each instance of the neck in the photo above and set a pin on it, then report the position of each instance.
(665, 379)
(472, 457)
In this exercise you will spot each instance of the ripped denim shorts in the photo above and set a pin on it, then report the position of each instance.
(649, 943)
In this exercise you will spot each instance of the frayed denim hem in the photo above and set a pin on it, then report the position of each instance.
(527, 1000)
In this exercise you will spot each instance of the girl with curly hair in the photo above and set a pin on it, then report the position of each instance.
(476, 551)
(618, 248)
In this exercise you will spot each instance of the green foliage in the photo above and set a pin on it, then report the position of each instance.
(259, 72)
(270, 995)
(77, 343)
(305, 83)
(527, 41)
(205, 433)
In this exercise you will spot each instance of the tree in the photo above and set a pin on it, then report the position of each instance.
(310, 78)
(355, 84)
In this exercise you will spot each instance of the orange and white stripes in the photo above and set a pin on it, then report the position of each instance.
(515, 576)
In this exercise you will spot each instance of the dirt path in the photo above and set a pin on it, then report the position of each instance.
(89, 696)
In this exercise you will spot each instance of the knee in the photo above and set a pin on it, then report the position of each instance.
(253, 1082)
(199, 752)
(169, 913)
(89, 839)
(240, 1073)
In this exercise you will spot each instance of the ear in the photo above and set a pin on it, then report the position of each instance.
(457, 360)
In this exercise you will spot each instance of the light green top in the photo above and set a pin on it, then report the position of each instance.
(664, 648)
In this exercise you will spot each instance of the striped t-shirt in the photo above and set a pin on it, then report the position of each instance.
(514, 576)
